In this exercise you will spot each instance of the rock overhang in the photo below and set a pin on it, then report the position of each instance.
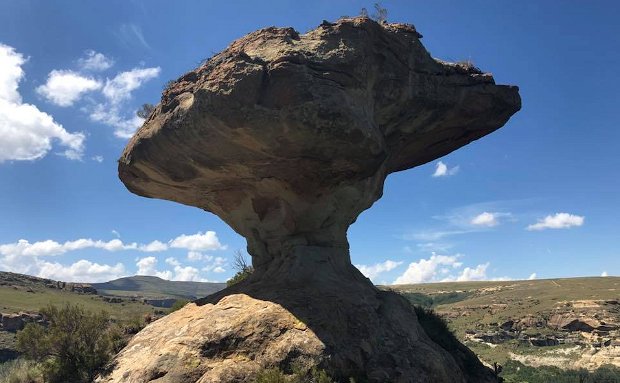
(289, 137)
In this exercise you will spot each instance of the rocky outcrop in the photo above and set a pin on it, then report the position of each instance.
(230, 337)
(14, 322)
(288, 138)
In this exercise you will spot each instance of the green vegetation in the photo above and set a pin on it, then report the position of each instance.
(145, 110)
(178, 305)
(74, 346)
(20, 371)
(314, 375)
(244, 269)
(515, 372)
(424, 300)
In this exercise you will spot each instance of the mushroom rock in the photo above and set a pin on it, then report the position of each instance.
(288, 137)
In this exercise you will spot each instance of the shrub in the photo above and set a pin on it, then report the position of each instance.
(145, 110)
(20, 371)
(243, 268)
(179, 304)
(75, 345)
(436, 328)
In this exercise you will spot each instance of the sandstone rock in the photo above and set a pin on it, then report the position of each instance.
(288, 138)
(233, 336)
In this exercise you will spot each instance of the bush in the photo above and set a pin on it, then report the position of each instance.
(314, 375)
(75, 345)
(243, 268)
(179, 304)
(436, 328)
(516, 372)
(20, 371)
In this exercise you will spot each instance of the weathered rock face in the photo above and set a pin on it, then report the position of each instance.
(288, 138)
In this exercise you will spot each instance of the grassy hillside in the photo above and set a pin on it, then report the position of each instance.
(521, 320)
(155, 288)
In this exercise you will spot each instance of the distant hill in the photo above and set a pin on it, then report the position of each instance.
(157, 288)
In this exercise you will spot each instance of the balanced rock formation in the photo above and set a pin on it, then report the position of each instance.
(288, 138)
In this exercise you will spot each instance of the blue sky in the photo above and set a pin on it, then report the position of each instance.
(538, 198)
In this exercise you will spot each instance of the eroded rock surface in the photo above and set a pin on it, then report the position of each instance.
(288, 138)
(230, 337)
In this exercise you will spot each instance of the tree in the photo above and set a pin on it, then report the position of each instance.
(240, 263)
(73, 347)
(380, 14)
(145, 111)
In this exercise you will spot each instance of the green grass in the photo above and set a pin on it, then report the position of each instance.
(17, 300)
(153, 287)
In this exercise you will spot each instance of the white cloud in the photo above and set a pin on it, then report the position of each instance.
(94, 61)
(81, 271)
(426, 270)
(532, 277)
(187, 273)
(195, 256)
(154, 246)
(124, 127)
(117, 91)
(148, 266)
(97, 158)
(26, 133)
(478, 273)
(442, 170)
(50, 247)
(604, 274)
(557, 221)
(172, 261)
(485, 219)
(65, 87)
(198, 242)
(131, 36)
(214, 264)
(120, 87)
(375, 270)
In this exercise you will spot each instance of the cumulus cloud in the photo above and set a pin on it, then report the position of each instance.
(442, 170)
(478, 273)
(604, 274)
(485, 219)
(557, 221)
(120, 87)
(26, 133)
(154, 246)
(198, 242)
(24, 256)
(148, 266)
(81, 271)
(95, 61)
(532, 277)
(426, 270)
(65, 87)
(50, 247)
(214, 264)
(375, 270)
(117, 91)
(444, 268)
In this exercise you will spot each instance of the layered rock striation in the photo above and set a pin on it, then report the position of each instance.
(288, 137)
